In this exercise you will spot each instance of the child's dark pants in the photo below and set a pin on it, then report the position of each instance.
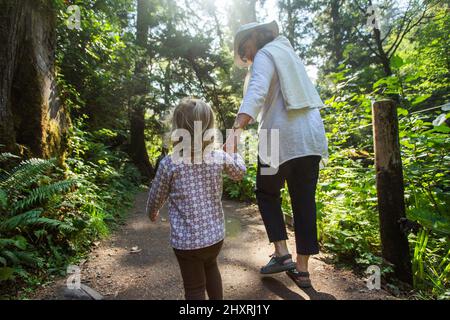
(301, 175)
(200, 271)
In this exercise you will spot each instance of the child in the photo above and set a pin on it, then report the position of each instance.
(194, 191)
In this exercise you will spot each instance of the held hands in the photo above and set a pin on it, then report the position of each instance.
(231, 144)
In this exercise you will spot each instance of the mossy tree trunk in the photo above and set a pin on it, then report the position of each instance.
(32, 120)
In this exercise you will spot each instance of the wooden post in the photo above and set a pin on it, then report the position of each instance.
(390, 189)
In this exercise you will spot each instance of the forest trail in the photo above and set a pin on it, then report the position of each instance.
(152, 272)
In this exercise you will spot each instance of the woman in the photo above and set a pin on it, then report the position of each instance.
(280, 96)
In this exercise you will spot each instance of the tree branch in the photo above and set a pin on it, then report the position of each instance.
(401, 27)
(408, 28)
(369, 46)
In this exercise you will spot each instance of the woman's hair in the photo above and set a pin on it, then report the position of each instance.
(263, 37)
(187, 112)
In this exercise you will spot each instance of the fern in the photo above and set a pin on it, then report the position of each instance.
(29, 258)
(14, 253)
(3, 199)
(18, 242)
(20, 220)
(56, 224)
(33, 217)
(43, 193)
(25, 174)
(6, 156)
(12, 256)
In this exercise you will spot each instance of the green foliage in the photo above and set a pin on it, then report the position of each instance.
(21, 188)
(19, 178)
(33, 218)
(426, 162)
(431, 263)
(50, 217)
(243, 190)
(42, 193)
(94, 63)
(346, 195)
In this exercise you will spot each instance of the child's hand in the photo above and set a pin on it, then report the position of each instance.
(154, 216)
(231, 144)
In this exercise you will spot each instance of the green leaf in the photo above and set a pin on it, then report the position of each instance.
(20, 242)
(397, 62)
(442, 129)
(43, 193)
(3, 199)
(6, 273)
(17, 241)
(21, 220)
(25, 173)
(11, 256)
(420, 99)
(391, 84)
(402, 112)
(6, 156)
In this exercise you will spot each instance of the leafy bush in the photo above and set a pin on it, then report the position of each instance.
(49, 216)
(24, 222)
(243, 190)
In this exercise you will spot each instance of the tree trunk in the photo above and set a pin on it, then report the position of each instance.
(138, 150)
(390, 189)
(10, 28)
(32, 120)
(290, 24)
(381, 53)
(384, 59)
(337, 33)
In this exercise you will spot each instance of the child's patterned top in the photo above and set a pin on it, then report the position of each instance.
(194, 192)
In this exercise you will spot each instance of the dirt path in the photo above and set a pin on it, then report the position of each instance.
(153, 273)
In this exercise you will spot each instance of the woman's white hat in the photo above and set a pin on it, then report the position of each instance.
(247, 29)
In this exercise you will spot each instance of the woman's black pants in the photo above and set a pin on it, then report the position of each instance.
(301, 175)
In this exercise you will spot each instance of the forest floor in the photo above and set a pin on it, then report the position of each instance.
(137, 262)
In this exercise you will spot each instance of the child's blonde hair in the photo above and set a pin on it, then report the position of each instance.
(187, 112)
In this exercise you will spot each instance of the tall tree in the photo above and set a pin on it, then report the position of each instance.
(241, 12)
(331, 29)
(337, 32)
(293, 15)
(138, 150)
(401, 24)
(31, 114)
